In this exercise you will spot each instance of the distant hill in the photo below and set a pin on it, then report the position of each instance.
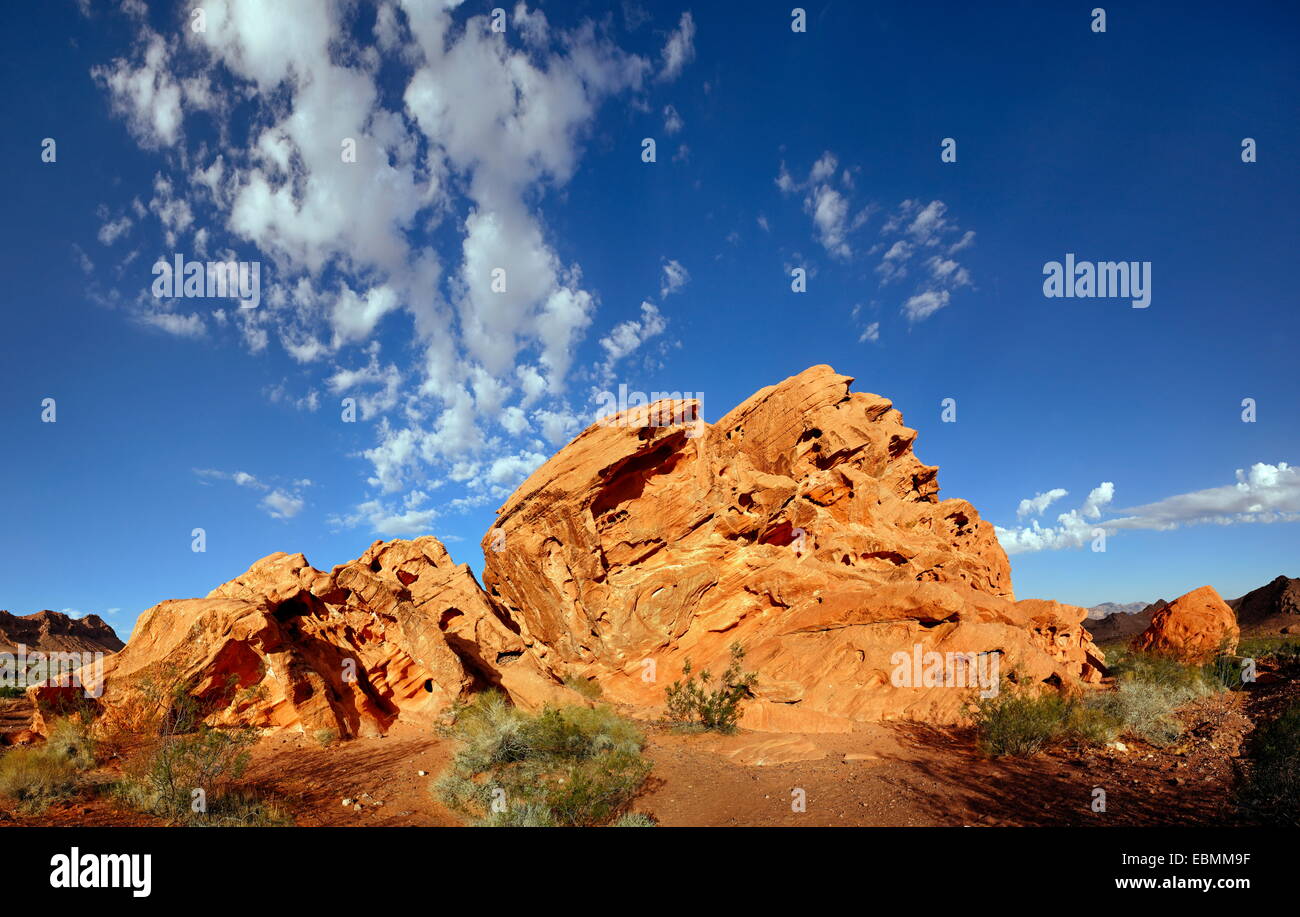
(1272, 608)
(1097, 612)
(1122, 625)
(53, 631)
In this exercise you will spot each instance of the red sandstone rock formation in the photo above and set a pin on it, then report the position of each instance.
(1193, 627)
(800, 525)
(399, 632)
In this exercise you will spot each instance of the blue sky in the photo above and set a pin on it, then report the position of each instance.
(774, 150)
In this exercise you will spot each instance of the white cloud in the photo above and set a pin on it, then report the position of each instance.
(674, 277)
(389, 521)
(832, 215)
(918, 232)
(672, 120)
(113, 230)
(679, 50)
(628, 336)
(144, 91)
(1263, 494)
(923, 305)
(279, 502)
(281, 505)
(1034, 506)
(185, 326)
(870, 333)
(481, 129)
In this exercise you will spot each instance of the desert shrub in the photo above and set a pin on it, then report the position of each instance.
(179, 754)
(163, 780)
(1149, 689)
(37, 776)
(634, 820)
(1014, 722)
(1279, 650)
(566, 766)
(9, 692)
(326, 737)
(692, 703)
(1271, 792)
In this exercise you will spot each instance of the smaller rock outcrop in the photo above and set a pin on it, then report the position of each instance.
(401, 633)
(1270, 609)
(1193, 627)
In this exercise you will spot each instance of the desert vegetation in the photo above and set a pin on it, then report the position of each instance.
(37, 776)
(1148, 689)
(154, 755)
(1271, 791)
(185, 771)
(565, 766)
(692, 703)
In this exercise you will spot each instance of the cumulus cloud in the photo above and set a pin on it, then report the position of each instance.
(1034, 506)
(1263, 493)
(144, 91)
(339, 187)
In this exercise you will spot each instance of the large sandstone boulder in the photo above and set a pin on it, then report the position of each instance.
(799, 525)
(1193, 628)
(399, 633)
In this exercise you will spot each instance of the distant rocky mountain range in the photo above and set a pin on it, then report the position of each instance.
(1097, 612)
(1129, 621)
(54, 631)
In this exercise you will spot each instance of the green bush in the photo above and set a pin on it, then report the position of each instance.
(1279, 650)
(1148, 691)
(566, 766)
(1016, 723)
(187, 755)
(691, 703)
(163, 781)
(37, 776)
(1272, 791)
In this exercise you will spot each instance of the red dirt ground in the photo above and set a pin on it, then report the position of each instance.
(885, 775)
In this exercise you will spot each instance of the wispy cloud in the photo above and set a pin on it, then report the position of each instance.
(278, 501)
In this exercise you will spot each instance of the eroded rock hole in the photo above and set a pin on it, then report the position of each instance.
(293, 608)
